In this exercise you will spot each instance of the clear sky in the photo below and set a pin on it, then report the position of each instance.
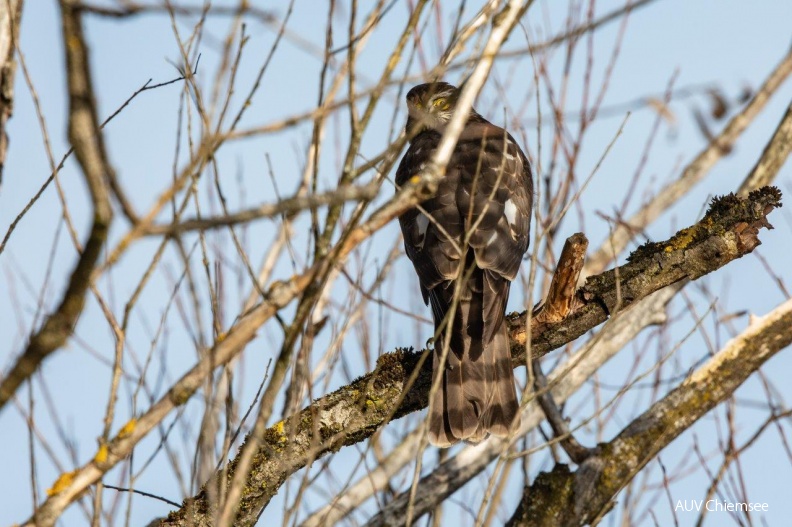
(723, 43)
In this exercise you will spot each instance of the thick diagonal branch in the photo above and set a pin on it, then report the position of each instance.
(354, 412)
(86, 139)
(562, 497)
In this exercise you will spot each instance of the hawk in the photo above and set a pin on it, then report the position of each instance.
(466, 244)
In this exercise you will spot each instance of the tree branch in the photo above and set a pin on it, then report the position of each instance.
(353, 413)
(86, 139)
(562, 497)
(10, 17)
(284, 206)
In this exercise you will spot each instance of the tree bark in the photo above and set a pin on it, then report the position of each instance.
(10, 17)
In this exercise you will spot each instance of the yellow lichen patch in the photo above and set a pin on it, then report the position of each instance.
(128, 428)
(681, 240)
(221, 337)
(61, 483)
(101, 454)
(279, 430)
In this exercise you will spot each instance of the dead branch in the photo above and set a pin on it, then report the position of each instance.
(562, 497)
(86, 139)
(561, 294)
(353, 413)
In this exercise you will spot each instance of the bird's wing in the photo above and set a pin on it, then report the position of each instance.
(432, 230)
(495, 200)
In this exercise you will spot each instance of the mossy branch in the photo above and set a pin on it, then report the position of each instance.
(398, 386)
(561, 497)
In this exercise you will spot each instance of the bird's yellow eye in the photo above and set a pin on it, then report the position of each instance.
(440, 101)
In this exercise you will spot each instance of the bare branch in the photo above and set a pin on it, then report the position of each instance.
(773, 158)
(10, 17)
(561, 497)
(86, 139)
(285, 206)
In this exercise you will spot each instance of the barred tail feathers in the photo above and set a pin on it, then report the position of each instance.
(476, 394)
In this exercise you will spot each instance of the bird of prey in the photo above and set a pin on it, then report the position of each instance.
(466, 244)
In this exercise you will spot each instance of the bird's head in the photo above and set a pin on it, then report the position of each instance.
(430, 106)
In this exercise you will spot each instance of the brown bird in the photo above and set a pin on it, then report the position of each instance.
(467, 243)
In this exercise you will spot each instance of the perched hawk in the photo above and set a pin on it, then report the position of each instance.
(467, 243)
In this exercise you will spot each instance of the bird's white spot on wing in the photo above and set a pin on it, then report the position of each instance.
(510, 211)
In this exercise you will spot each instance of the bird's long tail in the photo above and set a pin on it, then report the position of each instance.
(476, 394)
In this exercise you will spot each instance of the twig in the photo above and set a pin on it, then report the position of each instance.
(142, 493)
